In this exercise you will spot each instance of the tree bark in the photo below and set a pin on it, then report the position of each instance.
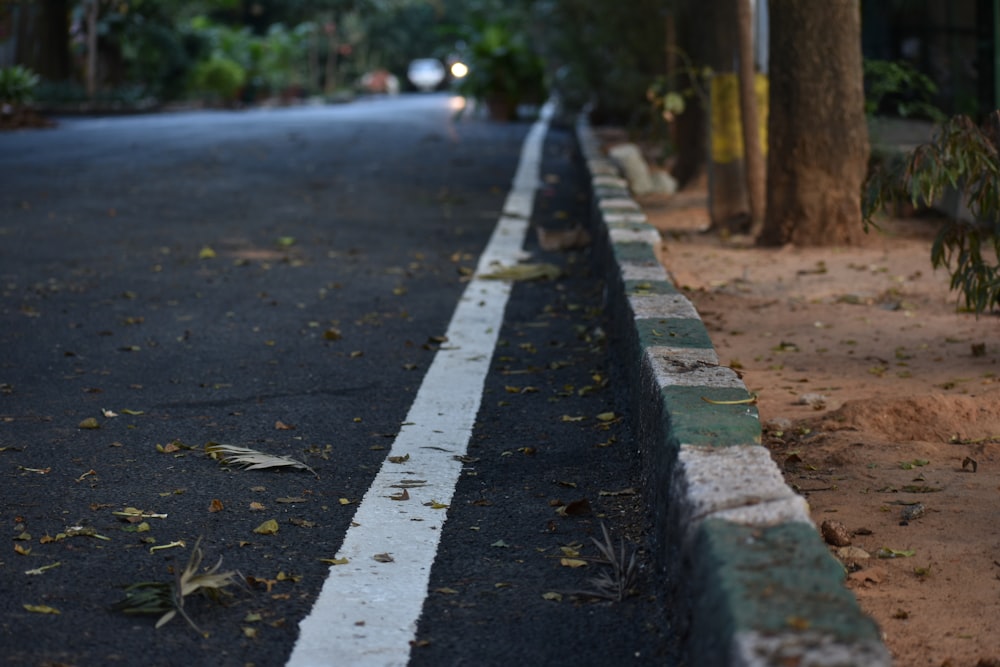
(93, 9)
(43, 38)
(753, 154)
(702, 38)
(817, 133)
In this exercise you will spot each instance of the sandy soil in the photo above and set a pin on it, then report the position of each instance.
(881, 404)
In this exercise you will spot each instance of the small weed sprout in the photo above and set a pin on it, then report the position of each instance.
(167, 598)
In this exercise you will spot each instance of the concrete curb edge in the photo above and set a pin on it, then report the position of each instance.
(757, 584)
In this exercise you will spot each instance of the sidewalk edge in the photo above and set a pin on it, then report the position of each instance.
(754, 581)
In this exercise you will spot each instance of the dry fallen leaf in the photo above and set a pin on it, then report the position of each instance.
(41, 609)
(334, 561)
(134, 515)
(575, 508)
(216, 505)
(523, 272)
(42, 569)
(251, 459)
(551, 240)
(269, 527)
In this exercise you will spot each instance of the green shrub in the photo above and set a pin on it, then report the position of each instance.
(221, 77)
(17, 85)
(897, 88)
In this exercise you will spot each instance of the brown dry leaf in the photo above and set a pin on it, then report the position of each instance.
(383, 558)
(282, 426)
(257, 507)
(399, 459)
(579, 507)
(172, 447)
(23, 550)
(572, 562)
(551, 240)
(215, 505)
(402, 495)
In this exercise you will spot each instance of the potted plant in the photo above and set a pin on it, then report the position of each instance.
(504, 72)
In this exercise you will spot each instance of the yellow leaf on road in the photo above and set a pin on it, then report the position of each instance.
(334, 561)
(524, 272)
(269, 527)
(41, 609)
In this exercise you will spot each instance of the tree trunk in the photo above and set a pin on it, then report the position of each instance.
(42, 38)
(701, 37)
(817, 133)
(93, 9)
(753, 154)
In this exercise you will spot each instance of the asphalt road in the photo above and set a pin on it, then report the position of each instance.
(282, 280)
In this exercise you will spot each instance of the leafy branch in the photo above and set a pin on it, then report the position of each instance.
(963, 157)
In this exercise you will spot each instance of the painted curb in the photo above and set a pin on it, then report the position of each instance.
(755, 583)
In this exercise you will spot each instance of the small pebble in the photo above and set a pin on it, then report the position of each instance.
(814, 401)
(835, 533)
(911, 512)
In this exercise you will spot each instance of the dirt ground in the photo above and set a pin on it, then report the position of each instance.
(881, 404)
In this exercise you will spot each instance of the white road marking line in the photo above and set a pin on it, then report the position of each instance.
(367, 611)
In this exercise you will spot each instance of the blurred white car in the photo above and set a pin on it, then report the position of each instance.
(426, 73)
